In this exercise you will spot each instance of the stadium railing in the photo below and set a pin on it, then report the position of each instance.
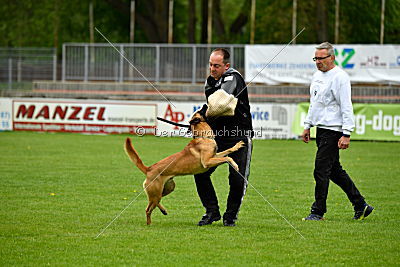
(20, 66)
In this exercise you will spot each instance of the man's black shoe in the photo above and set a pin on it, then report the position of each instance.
(209, 218)
(229, 222)
(361, 214)
(313, 217)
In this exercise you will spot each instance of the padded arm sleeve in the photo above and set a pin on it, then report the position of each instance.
(220, 103)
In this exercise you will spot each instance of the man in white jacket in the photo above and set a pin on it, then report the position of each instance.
(331, 111)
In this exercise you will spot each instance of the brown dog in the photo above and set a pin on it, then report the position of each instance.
(197, 157)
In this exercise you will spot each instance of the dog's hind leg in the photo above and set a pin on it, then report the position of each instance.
(153, 191)
(162, 209)
(150, 207)
(169, 186)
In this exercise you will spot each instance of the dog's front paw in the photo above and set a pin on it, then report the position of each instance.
(239, 145)
(233, 164)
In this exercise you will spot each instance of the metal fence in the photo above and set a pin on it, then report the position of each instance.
(156, 62)
(19, 65)
(27, 68)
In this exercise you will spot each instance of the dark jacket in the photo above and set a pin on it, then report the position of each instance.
(240, 124)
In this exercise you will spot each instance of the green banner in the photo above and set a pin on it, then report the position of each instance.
(373, 121)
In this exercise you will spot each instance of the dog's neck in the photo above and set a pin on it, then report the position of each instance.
(205, 137)
(203, 130)
(204, 134)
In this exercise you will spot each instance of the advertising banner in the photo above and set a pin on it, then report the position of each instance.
(179, 112)
(363, 63)
(372, 121)
(5, 114)
(273, 120)
(270, 120)
(83, 116)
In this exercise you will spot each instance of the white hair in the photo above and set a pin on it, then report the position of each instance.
(327, 46)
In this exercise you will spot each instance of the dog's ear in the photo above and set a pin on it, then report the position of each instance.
(203, 110)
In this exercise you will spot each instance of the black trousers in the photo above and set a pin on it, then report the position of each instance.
(327, 167)
(237, 182)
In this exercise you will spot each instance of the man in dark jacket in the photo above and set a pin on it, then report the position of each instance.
(229, 116)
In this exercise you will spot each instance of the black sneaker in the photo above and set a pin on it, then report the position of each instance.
(361, 214)
(228, 222)
(313, 217)
(209, 218)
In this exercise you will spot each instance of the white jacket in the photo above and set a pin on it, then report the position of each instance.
(330, 103)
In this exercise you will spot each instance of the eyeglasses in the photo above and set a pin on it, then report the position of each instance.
(320, 58)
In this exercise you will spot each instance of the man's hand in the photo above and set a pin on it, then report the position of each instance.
(306, 136)
(344, 142)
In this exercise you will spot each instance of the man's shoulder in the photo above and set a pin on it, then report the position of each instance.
(210, 83)
(231, 72)
(232, 77)
(228, 77)
(341, 74)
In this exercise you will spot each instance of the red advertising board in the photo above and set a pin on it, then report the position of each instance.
(84, 116)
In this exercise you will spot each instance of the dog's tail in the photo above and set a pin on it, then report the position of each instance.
(133, 155)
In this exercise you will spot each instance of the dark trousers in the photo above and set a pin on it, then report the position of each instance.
(327, 167)
(237, 182)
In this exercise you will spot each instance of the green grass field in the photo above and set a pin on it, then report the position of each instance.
(58, 191)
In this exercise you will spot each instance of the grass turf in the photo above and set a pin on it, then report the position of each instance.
(58, 191)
